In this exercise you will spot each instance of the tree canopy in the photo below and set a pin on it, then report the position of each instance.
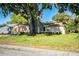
(18, 19)
(61, 17)
(72, 7)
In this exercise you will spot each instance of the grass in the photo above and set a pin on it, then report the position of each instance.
(67, 42)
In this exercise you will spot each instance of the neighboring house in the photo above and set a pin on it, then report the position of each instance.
(53, 27)
(4, 30)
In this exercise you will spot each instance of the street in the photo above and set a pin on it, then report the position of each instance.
(10, 50)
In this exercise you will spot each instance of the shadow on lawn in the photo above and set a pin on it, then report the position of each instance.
(77, 36)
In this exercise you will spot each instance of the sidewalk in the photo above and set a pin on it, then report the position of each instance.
(33, 51)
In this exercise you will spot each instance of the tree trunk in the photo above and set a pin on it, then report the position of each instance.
(37, 25)
(31, 21)
(76, 23)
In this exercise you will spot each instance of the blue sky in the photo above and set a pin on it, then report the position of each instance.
(4, 19)
(47, 15)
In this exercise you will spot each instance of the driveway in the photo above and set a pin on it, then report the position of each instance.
(11, 50)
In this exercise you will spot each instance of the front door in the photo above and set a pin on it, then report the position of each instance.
(44, 29)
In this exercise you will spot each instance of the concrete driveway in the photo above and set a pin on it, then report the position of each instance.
(11, 50)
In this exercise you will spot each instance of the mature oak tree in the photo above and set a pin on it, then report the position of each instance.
(31, 12)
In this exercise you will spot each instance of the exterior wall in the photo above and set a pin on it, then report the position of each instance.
(25, 28)
(56, 29)
(4, 30)
(20, 28)
(53, 29)
(62, 29)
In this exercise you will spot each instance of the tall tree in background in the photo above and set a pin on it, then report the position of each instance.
(73, 25)
(61, 17)
(72, 7)
(76, 24)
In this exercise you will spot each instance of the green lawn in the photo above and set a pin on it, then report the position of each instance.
(68, 42)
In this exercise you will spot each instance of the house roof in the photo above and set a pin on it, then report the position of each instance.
(11, 25)
(53, 24)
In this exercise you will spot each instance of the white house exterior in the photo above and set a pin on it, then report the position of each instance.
(24, 28)
(42, 28)
(4, 30)
(52, 27)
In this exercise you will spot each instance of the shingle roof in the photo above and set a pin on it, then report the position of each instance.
(52, 24)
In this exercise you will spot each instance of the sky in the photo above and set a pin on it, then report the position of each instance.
(47, 15)
(4, 19)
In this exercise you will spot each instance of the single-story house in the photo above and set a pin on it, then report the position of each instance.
(43, 27)
(52, 27)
